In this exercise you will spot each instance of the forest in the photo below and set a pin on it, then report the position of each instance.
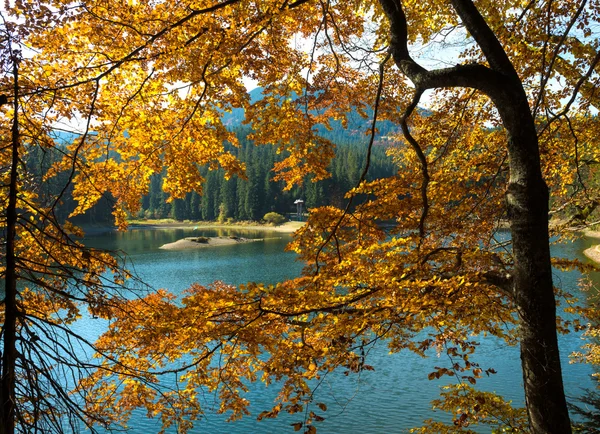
(237, 198)
(252, 198)
(440, 147)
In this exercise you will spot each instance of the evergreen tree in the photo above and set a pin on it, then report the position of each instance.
(195, 206)
(178, 209)
(252, 198)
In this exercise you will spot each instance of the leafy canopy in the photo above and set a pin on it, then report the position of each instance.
(417, 260)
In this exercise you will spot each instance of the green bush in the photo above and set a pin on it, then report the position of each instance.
(274, 218)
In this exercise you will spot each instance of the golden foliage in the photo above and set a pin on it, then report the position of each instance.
(150, 82)
(471, 407)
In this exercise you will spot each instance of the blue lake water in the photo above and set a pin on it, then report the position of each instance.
(391, 399)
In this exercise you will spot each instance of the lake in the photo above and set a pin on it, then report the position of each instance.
(391, 399)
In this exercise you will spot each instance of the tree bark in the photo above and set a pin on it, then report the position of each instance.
(533, 290)
(527, 204)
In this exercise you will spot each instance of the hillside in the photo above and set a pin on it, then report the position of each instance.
(236, 198)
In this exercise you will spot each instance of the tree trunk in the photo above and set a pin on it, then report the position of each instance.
(9, 332)
(534, 298)
(527, 204)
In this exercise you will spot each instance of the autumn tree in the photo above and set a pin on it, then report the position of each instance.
(50, 279)
(508, 126)
(47, 274)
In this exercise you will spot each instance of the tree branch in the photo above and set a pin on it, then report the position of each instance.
(422, 159)
(485, 37)
(493, 82)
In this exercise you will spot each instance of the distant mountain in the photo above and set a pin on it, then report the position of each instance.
(353, 133)
(64, 137)
(235, 118)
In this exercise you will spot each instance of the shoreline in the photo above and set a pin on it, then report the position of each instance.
(591, 234)
(286, 228)
(593, 252)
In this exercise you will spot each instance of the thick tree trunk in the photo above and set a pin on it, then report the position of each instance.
(527, 202)
(534, 297)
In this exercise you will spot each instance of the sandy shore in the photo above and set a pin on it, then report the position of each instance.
(287, 227)
(593, 252)
(591, 234)
(191, 243)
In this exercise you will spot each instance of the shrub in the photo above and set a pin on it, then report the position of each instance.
(223, 211)
(274, 218)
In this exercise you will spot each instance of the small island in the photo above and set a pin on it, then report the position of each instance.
(202, 242)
